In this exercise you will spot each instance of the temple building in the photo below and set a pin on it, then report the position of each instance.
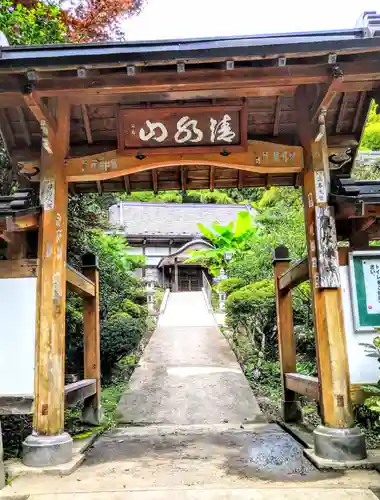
(166, 234)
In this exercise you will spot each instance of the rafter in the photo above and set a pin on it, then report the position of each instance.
(24, 125)
(277, 114)
(127, 184)
(155, 181)
(212, 178)
(240, 179)
(359, 111)
(183, 178)
(6, 130)
(342, 108)
(86, 123)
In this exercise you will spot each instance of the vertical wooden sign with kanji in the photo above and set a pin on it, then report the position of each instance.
(182, 129)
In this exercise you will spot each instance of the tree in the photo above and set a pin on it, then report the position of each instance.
(231, 239)
(33, 24)
(42, 22)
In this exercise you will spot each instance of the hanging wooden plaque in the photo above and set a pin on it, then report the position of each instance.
(327, 248)
(183, 129)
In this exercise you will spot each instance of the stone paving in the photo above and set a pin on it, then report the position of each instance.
(195, 432)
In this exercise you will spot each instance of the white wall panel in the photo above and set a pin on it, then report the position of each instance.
(17, 336)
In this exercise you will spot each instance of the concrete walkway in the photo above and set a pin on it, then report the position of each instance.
(195, 432)
(188, 373)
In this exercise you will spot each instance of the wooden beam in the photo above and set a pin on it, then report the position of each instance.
(127, 184)
(155, 181)
(78, 283)
(91, 326)
(99, 187)
(21, 268)
(361, 225)
(295, 275)
(40, 111)
(359, 111)
(86, 123)
(261, 157)
(342, 109)
(24, 125)
(327, 302)
(212, 178)
(285, 333)
(211, 79)
(303, 384)
(20, 223)
(79, 391)
(51, 287)
(17, 246)
(30, 157)
(277, 114)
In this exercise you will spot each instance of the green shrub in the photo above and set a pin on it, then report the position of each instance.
(120, 335)
(252, 311)
(131, 308)
(231, 285)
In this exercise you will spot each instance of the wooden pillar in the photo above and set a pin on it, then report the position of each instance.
(49, 445)
(176, 287)
(91, 323)
(286, 343)
(333, 374)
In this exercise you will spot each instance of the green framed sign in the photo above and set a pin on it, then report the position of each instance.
(365, 289)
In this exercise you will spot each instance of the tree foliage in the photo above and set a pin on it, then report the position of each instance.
(32, 24)
(46, 22)
(122, 297)
(229, 239)
(371, 136)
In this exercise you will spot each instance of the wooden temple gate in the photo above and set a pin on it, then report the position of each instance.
(236, 112)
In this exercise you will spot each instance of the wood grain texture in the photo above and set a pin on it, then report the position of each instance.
(79, 391)
(286, 340)
(91, 327)
(21, 268)
(17, 247)
(327, 308)
(295, 275)
(51, 297)
(303, 384)
(261, 157)
(78, 283)
(86, 123)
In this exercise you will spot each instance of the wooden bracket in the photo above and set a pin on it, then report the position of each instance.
(325, 98)
(40, 111)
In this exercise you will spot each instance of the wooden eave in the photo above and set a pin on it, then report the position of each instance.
(258, 79)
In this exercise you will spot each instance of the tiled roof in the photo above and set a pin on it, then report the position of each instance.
(170, 219)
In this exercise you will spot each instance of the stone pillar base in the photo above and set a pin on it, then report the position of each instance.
(291, 411)
(43, 451)
(92, 416)
(339, 444)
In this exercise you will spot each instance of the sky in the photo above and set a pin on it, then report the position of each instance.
(165, 19)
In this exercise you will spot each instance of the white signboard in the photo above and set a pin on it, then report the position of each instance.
(17, 336)
(371, 272)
